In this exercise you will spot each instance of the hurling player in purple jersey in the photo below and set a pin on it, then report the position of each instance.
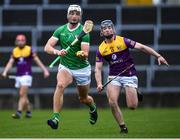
(115, 50)
(23, 55)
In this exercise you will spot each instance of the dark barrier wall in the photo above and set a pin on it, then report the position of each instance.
(44, 101)
(155, 26)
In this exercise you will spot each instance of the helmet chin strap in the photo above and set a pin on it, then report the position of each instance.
(19, 44)
(73, 23)
(108, 37)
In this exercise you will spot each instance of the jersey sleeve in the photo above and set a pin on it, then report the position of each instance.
(86, 39)
(129, 43)
(99, 57)
(56, 33)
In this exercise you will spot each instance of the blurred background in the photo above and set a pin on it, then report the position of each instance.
(155, 23)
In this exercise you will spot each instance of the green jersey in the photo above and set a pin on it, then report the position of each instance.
(66, 36)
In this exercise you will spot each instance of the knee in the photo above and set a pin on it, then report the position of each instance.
(113, 103)
(60, 85)
(82, 100)
(22, 95)
(132, 106)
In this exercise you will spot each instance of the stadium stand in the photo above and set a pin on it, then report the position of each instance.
(169, 15)
(1, 2)
(22, 2)
(148, 17)
(156, 26)
(13, 17)
(104, 2)
(64, 2)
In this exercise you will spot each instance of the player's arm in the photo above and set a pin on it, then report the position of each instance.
(84, 50)
(98, 76)
(8, 66)
(84, 47)
(49, 47)
(98, 70)
(150, 51)
(41, 65)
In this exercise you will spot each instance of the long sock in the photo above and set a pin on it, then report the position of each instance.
(56, 116)
(92, 107)
(122, 126)
(19, 113)
(28, 113)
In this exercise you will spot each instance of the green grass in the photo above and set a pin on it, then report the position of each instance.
(74, 123)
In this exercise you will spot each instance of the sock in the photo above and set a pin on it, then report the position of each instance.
(28, 112)
(122, 126)
(56, 116)
(19, 113)
(92, 107)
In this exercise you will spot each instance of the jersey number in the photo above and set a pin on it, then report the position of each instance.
(112, 49)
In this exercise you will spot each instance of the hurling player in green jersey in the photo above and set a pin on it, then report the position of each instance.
(73, 64)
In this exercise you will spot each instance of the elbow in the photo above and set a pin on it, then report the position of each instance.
(46, 49)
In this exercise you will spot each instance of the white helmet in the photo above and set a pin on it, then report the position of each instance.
(74, 7)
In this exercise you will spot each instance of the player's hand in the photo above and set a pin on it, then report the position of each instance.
(46, 73)
(99, 88)
(80, 54)
(4, 74)
(162, 60)
(62, 52)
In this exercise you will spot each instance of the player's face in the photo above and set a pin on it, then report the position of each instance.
(74, 17)
(20, 42)
(107, 31)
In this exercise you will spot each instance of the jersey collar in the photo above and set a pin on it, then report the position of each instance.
(73, 28)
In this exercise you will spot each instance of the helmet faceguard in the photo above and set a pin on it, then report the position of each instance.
(76, 8)
(20, 40)
(106, 24)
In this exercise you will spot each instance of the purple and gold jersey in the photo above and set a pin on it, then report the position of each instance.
(23, 59)
(117, 55)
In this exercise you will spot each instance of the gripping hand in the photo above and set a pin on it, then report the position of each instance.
(80, 54)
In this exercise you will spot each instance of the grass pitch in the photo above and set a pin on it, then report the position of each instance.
(74, 124)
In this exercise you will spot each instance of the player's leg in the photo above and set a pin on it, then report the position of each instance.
(27, 107)
(22, 101)
(113, 92)
(83, 79)
(26, 80)
(131, 97)
(88, 100)
(25, 100)
(139, 95)
(23, 82)
(131, 84)
(64, 78)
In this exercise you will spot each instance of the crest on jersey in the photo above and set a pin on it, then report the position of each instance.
(114, 56)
